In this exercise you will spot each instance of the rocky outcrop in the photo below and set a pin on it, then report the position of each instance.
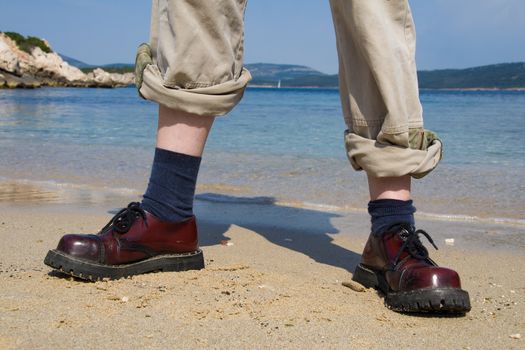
(104, 79)
(20, 69)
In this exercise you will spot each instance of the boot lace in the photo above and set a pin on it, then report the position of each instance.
(124, 219)
(412, 244)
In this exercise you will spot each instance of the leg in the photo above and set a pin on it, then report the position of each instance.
(386, 139)
(181, 137)
(390, 202)
(389, 187)
(193, 69)
(182, 132)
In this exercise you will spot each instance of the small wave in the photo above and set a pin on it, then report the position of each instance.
(24, 190)
(472, 218)
(261, 200)
(224, 198)
(322, 207)
(85, 187)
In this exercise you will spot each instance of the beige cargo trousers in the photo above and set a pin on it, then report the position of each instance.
(194, 63)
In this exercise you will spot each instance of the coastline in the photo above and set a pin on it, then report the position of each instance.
(421, 89)
(257, 86)
(131, 85)
(246, 296)
(475, 89)
(30, 63)
(447, 206)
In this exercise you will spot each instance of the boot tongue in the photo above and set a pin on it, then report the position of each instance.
(394, 241)
(410, 245)
(124, 219)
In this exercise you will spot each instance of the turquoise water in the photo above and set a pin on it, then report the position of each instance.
(285, 143)
(477, 126)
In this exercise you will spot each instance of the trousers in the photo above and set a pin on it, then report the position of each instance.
(194, 63)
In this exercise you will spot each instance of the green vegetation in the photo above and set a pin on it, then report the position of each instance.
(321, 81)
(112, 68)
(266, 74)
(27, 44)
(496, 76)
(281, 71)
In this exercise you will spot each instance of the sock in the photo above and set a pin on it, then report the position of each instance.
(171, 185)
(386, 213)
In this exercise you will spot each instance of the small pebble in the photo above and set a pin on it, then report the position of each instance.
(265, 286)
(515, 336)
(125, 299)
(226, 242)
(449, 241)
(356, 287)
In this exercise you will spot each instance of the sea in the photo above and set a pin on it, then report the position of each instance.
(91, 146)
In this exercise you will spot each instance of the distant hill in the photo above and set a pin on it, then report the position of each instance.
(110, 68)
(496, 76)
(500, 76)
(281, 71)
(73, 62)
(266, 74)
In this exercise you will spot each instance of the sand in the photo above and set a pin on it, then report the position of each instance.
(278, 284)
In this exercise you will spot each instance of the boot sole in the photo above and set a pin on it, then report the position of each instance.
(92, 271)
(431, 300)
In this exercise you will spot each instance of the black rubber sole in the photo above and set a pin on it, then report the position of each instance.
(93, 272)
(432, 300)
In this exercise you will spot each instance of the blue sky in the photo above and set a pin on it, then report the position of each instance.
(451, 33)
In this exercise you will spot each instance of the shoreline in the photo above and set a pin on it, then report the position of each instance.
(420, 89)
(474, 89)
(25, 191)
(120, 86)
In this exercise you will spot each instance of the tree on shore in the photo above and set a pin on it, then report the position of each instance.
(28, 43)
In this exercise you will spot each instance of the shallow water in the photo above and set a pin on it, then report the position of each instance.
(283, 144)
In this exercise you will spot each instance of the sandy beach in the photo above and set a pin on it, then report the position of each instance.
(273, 279)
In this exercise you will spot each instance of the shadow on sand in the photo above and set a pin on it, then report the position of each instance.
(303, 230)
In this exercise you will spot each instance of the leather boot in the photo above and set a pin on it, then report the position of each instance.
(397, 264)
(133, 242)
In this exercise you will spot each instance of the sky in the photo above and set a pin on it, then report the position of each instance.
(450, 33)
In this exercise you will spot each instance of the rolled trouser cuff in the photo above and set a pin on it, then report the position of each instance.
(379, 158)
(206, 101)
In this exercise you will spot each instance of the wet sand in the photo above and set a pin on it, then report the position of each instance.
(277, 285)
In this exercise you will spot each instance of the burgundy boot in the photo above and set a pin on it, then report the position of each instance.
(398, 265)
(133, 242)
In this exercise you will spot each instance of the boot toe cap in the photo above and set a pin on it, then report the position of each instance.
(87, 247)
(429, 277)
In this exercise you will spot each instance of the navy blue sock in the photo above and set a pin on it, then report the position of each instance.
(171, 185)
(386, 213)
